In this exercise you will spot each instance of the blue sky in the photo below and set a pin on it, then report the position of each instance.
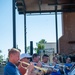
(38, 27)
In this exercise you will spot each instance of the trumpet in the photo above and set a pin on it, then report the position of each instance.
(39, 68)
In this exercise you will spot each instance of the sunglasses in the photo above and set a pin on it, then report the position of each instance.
(27, 58)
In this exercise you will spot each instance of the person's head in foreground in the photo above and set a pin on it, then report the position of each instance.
(14, 55)
(11, 68)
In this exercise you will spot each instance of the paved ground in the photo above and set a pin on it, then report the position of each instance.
(1, 70)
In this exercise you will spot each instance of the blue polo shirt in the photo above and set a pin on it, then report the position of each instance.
(11, 69)
(67, 65)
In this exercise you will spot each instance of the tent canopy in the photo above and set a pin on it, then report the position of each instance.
(38, 6)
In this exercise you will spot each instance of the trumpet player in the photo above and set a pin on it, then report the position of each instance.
(11, 67)
(23, 68)
(36, 60)
(45, 59)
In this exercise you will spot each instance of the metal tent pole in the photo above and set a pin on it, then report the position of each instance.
(25, 32)
(56, 27)
(14, 23)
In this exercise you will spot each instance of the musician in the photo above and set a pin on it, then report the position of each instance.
(68, 65)
(11, 68)
(23, 67)
(55, 61)
(36, 60)
(45, 59)
(57, 70)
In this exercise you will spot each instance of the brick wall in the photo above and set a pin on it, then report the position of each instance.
(67, 41)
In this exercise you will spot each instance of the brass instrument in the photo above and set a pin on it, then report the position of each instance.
(39, 68)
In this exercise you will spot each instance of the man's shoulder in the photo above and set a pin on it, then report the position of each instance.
(9, 68)
(68, 64)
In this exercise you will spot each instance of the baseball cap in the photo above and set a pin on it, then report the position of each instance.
(23, 55)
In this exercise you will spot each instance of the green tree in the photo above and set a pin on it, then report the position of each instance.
(40, 45)
(42, 41)
(0, 51)
(1, 58)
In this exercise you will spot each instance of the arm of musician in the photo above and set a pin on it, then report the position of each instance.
(30, 69)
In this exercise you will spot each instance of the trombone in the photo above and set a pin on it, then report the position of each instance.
(39, 68)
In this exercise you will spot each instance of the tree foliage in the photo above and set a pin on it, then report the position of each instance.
(40, 45)
(42, 41)
(1, 58)
(0, 51)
